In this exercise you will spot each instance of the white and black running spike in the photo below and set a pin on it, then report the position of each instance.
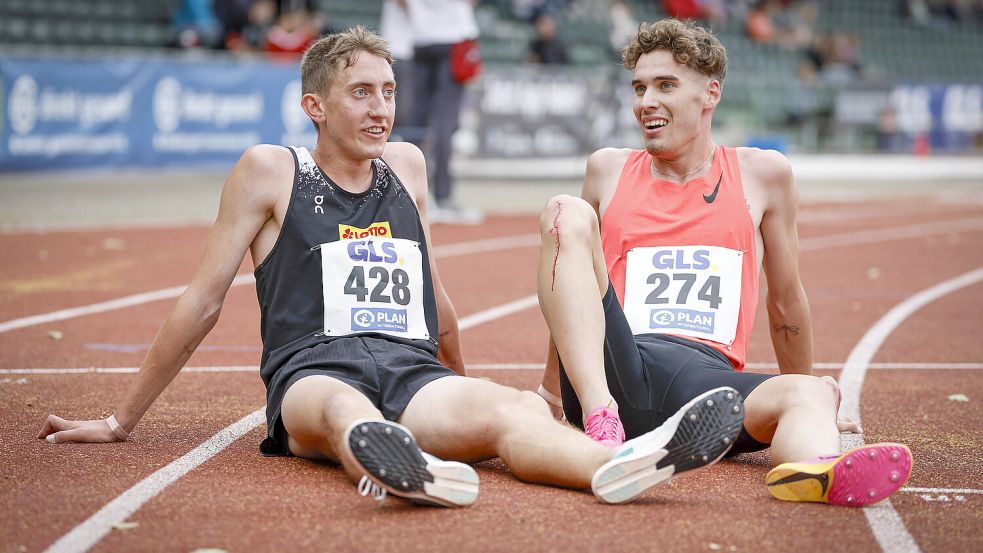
(389, 456)
(706, 432)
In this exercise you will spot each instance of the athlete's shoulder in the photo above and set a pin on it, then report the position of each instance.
(768, 167)
(603, 171)
(608, 158)
(407, 162)
(403, 155)
(266, 160)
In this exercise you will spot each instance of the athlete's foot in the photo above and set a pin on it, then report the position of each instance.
(604, 426)
(392, 462)
(858, 477)
(698, 435)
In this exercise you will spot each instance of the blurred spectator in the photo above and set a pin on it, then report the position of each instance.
(439, 25)
(530, 10)
(245, 22)
(760, 25)
(942, 14)
(889, 135)
(395, 26)
(623, 25)
(786, 24)
(292, 33)
(803, 95)
(195, 25)
(794, 25)
(547, 48)
(836, 57)
(318, 19)
(711, 11)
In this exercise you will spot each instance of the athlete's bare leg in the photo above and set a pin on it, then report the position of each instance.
(797, 414)
(571, 282)
(468, 419)
(316, 410)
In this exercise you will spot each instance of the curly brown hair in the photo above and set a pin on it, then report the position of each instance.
(690, 45)
(326, 57)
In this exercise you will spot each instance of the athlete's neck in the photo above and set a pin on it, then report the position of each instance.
(694, 161)
(350, 175)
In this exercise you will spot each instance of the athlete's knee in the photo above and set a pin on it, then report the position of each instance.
(341, 408)
(809, 391)
(518, 407)
(534, 403)
(568, 216)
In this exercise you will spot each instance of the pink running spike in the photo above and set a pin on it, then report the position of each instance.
(604, 426)
(872, 477)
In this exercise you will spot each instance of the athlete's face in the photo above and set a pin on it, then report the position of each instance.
(673, 103)
(357, 111)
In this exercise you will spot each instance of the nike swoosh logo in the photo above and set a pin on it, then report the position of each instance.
(713, 196)
(800, 476)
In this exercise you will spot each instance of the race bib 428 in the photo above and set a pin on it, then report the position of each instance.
(373, 285)
(685, 290)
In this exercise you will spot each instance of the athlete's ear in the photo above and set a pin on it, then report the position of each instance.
(312, 105)
(713, 94)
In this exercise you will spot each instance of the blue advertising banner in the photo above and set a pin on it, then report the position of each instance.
(106, 113)
(67, 113)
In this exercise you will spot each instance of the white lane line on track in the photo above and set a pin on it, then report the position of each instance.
(885, 523)
(447, 250)
(966, 491)
(119, 303)
(474, 367)
(890, 234)
(87, 534)
(517, 241)
(94, 528)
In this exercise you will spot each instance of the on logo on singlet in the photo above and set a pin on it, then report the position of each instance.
(380, 229)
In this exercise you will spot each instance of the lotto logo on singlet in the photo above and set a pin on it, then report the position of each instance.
(380, 230)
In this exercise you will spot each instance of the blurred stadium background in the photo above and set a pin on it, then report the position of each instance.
(126, 85)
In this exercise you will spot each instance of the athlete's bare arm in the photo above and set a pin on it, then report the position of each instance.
(408, 162)
(247, 204)
(789, 318)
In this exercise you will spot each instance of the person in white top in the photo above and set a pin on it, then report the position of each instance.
(437, 25)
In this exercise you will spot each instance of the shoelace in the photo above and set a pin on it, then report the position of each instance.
(367, 487)
(605, 427)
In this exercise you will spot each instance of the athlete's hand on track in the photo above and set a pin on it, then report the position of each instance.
(842, 424)
(58, 430)
(848, 425)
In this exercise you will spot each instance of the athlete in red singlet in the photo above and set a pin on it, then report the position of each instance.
(685, 219)
(649, 284)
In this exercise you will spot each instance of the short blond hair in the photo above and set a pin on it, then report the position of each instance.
(690, 45)
(330, 54)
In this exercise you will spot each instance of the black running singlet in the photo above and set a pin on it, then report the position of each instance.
(345, 264)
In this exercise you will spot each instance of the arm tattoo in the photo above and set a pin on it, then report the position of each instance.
(787, 329)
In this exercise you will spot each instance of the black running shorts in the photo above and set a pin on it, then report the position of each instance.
(652, 376)
(388, 373)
